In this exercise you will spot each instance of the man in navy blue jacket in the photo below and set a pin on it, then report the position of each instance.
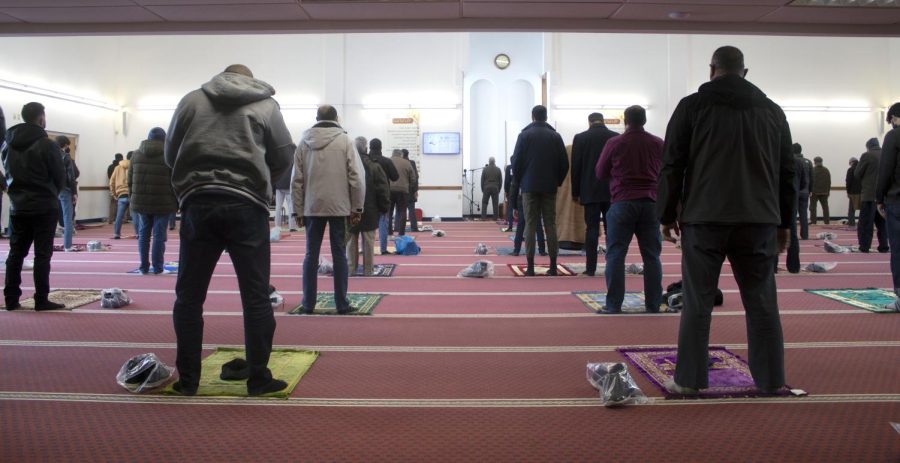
(540, 167)
(591, 192)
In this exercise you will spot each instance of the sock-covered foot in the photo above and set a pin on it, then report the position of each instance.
(48, 305)
(184, 390)
(274, 385)
(674, 388)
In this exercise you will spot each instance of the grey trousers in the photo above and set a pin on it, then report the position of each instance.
(540, 206)
(753, 252)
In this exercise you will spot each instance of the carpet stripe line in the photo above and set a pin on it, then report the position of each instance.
(431, 349)
(454, 277)
(426, 403)
(578, 314)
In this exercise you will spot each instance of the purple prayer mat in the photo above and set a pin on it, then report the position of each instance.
(729, 375)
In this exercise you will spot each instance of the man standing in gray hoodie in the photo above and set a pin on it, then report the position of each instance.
(226, 143)
(329, 186)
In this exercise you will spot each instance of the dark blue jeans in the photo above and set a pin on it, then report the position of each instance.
(594, 215)
(315, 232)
(892, 219)
(154, 224)
(210, 224)
(23, 231)
(624, 220)
(803, 211)
(869, 221)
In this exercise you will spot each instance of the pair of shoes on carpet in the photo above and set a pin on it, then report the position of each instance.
(675, 388)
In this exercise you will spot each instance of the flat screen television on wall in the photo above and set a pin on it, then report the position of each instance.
(440, 143)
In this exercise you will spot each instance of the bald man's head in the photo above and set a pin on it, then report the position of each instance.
(727, 60)
(326, 113)
(239, 69)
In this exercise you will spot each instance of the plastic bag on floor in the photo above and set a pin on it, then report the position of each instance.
(439, 233)
(480, 269)
(436, 219)
(94, 246)
(274, 298)
(826, 236)
(615, 384)
(275, 234)
(325, 266)
(114, 298)
(143, 372)
(406, 246)
(835, 248)
(820, 267)
(481, 249)
(601, 250)
(427, 228)
(635, 269)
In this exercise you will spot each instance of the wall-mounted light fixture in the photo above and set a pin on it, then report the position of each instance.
(827, 109)
(25, 88)
(595, 106)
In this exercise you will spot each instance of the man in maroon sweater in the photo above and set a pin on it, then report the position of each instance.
(631, 162)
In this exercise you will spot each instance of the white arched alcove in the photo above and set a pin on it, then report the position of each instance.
(486, 137)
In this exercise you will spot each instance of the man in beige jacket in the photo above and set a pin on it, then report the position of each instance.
(329, 187)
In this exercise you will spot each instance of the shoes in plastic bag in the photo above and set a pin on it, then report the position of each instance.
(675, 302)
(94, 246)
(826, 236)
(275, 234)
(480, 269)
(438, 233)
(436, 219)
(114, 298)
(481, 249)
(427, 228)
(325, 266)
(143, 372)
(601, 250)
(615, 384)
(635, 269)
(835, 248)
(820, 267)
(276, 299)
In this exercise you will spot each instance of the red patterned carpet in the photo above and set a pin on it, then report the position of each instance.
(447, 369)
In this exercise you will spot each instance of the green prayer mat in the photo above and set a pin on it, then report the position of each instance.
(871, 299)
(72, 298)
(363, 304)
(288, 365)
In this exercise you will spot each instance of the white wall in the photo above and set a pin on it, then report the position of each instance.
(422, 69)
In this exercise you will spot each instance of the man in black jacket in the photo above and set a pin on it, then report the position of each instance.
(391, 172)
(592, 193)
(803, 194)
(887, 193)
(113, 203)
(34, 177)
(854, 190)
(491, 181)
(413, 194)
(507, 189)
(728, 199)
(540, 167)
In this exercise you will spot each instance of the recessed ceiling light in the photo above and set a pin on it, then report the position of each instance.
(679, 15)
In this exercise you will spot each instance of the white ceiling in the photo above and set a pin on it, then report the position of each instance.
(49, 17)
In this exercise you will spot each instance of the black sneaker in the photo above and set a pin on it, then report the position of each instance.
(184, 390)
(48, 305)
(274, 385)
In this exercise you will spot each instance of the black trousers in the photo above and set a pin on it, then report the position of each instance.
(494, 196)
(594, 214)
(752, 251)
(870, 221)
(793, 250)
(23, 231)
(212, 223)
(397, 219)
(803, 211)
